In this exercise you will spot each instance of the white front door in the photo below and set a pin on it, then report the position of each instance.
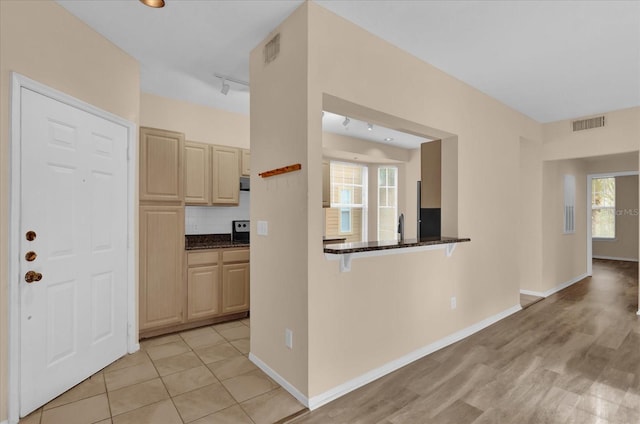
(73, 321)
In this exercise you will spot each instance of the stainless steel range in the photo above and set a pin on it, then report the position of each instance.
(240, 230)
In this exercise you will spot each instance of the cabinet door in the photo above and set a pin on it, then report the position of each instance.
(226, 175)
(197, 177)
(203, 292)
(161, 165)
(161, 253)
(235, 288)
(326, 184)
(246, 163)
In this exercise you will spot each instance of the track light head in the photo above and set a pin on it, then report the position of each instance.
(370, 127)
(225, 87)
(346, 121)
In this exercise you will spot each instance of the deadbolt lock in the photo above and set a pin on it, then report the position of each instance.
(30, 256)
(31, 235)
(32, 276)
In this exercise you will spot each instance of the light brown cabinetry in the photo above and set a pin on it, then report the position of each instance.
(326, 184)
(225, 175)
(217, 283)
(197, 165)
(212, 174)
(246, 163)
(235, 281)
(161, 164)
(161, 252)
(203, 285)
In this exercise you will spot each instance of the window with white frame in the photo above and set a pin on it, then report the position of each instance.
(347, 216)
(387, 202)
(603, 208)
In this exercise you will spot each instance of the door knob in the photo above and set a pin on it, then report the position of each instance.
(32, 276)
(30, 256)
(30, 235)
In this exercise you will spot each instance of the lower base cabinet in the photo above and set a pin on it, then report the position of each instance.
(215, 286)
(217, 283)
(235, 288)
(203, 292)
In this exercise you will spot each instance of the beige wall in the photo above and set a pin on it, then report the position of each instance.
(42, 41)
(198, 123)
(625, 244)
(609, 146)
(623, 162)
(620, 134)
(349, 311)
(280, 121)
(564, 256)
(530, 215)
(386, 306)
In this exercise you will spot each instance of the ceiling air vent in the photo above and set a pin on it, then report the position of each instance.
(587, 124)
(272, 49)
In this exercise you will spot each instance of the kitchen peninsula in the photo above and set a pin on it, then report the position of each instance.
(347, 251)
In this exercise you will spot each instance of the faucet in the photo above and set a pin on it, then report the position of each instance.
(401, 227)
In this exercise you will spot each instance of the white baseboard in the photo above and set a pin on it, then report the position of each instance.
(341, 390)
(531, 293)
(614, 258)
(279, 379)
(556, 288)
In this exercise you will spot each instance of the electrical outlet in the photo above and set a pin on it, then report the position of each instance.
(263, 228)
(288, 338)
(454, 303)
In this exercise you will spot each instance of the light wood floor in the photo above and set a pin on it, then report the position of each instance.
(571, 358)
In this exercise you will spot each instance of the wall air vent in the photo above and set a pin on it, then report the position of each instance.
(587, 124)
(272, 49)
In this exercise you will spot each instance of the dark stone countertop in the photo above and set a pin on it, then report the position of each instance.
(211, 241)
(333, 240)
(345, 248)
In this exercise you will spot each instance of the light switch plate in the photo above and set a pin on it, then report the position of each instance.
(263, 228)
(288, 338)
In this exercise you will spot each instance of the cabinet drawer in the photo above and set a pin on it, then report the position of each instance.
(235, 255)
(202, 258)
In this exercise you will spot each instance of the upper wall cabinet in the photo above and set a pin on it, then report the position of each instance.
(212, 174)
(161, 154)
(226, 175)
(246, 163)
(197, 175)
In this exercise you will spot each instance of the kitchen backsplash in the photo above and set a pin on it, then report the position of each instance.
(215, 219)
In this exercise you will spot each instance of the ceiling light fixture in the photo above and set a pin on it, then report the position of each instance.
(370, 127)
(388, 139)
(153, 3)
(225, 87)
(346, 121)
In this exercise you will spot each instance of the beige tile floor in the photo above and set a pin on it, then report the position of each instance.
(200, 376)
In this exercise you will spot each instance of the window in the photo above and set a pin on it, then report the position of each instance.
(345, 213)
(347, 216)
(603, 208)
(387, 202)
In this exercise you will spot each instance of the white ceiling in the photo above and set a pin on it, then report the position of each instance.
(550, 60)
